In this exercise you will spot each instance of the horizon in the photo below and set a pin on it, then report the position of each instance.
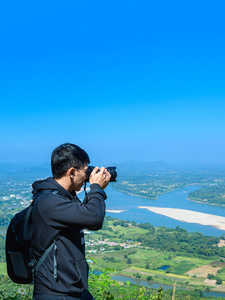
(157, 163)
(122, 81)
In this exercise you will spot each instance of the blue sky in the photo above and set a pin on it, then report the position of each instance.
(125, 80)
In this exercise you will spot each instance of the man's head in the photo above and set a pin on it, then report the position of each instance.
(67, 156)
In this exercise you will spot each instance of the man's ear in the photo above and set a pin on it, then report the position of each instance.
(71, 172)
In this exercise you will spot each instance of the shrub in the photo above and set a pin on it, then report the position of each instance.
(218, 280)
(147, 266)
(210, 276)
(129, 261)
(138, 275)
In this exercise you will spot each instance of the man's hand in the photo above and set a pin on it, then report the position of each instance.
(102, 177)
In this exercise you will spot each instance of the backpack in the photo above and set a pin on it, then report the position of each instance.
(21, 264)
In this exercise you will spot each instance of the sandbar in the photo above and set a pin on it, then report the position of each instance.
(114, 211)
(189, 216)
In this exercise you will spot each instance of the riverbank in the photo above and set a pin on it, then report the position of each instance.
(205, 202)
(135, 194)
(189, 216)
(151, 284)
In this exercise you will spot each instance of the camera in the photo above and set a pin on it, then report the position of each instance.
(111, 170)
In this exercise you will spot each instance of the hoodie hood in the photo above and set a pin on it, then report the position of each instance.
(50, 184)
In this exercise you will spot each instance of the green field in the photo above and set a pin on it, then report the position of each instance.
(3, 270)
(146, 262)
(143, 262)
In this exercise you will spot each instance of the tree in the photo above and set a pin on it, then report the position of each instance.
(210, 276)
(138, 275)
(147, 266)
(129, 261)
(218, 280)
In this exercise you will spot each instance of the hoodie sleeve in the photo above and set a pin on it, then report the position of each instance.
(95, 188)
(60, 212)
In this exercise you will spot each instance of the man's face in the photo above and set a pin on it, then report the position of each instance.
(79, 178)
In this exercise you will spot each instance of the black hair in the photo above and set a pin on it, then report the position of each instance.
(65, 157)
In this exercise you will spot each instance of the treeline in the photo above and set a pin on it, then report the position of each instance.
(180, 241)
(214, 194)
(177, 240)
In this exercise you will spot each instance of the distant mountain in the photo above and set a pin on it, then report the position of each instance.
(136, 167)
(160, 167)
(24, 170)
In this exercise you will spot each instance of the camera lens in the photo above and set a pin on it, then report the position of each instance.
(111, 170)
(113, 173)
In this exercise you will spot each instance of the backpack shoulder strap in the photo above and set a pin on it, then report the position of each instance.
(44, 255)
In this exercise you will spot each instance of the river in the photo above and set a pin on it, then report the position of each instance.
(175, 199)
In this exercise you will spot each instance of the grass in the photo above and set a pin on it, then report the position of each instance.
(193, 260)
(3, 269)
(160, 272)
(140, 257)
(182, 268)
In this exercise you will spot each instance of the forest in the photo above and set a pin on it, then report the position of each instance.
(213, 194)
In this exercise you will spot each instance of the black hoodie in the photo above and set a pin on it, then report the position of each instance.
(63, 212)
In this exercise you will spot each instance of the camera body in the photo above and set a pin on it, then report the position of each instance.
(111, 170)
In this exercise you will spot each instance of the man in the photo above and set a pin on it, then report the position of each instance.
(58, 215)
